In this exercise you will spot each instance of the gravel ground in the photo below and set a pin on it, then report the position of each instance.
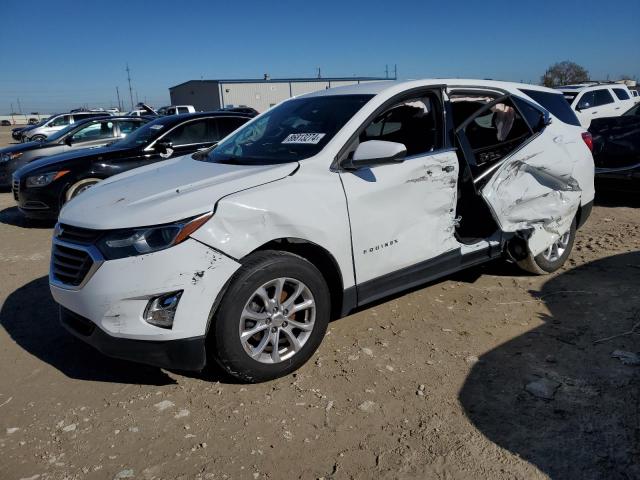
(489, 373)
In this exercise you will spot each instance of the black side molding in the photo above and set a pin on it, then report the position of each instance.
(422, 272)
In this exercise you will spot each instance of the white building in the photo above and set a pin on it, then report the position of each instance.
(260, 94)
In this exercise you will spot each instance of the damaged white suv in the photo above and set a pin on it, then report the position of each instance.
(327, 202)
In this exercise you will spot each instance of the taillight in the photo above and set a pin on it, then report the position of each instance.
(588, 139)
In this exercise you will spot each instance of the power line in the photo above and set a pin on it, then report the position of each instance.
(130, 89)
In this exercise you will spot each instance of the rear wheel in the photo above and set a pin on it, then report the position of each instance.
(272, 317)
(79, 187)
(553, 257)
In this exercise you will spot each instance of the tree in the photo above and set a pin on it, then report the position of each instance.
(564, 73)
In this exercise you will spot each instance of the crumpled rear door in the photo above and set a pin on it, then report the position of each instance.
(529, 194)
(530, 190)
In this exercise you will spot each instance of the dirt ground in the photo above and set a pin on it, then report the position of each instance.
(490, 373)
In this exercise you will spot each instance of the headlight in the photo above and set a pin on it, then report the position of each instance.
(44, 178)
(138, 241)
(5, 157)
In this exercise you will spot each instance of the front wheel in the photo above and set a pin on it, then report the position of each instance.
(38, 138)
(79, 187)
(272, 317)
(553, 257)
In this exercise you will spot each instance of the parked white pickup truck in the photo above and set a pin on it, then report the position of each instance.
(598, 100)
(241, 255)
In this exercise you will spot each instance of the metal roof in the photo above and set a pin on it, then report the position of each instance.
(285, 80)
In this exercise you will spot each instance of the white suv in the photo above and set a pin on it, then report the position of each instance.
(598, 100)
(241, 255)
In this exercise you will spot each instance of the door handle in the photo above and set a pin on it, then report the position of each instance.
(448, 168)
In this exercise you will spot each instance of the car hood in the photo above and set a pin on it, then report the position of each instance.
(21, 147)
(164, 192)
(50, 164)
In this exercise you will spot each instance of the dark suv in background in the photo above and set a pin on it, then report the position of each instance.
(41, 188)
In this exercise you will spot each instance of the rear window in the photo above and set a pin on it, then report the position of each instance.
(554, 103)
(621, 94)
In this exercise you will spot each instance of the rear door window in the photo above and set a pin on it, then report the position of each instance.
(492, 133)
(602, 97)
(183, 110)
(126, 127)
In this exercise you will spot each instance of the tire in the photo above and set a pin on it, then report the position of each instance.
(551, 260)
(252, 358)
(38, 138)
(79, 187)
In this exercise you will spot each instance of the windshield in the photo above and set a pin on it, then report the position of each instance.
(294, 130)
(144, 135)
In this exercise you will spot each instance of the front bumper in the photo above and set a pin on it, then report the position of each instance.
(41, 203)
(113, 298)
(182, 354)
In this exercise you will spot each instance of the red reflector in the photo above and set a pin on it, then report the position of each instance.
(588, 139)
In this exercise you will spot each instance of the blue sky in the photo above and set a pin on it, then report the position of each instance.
(58, 55)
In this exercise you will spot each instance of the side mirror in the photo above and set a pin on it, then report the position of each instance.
(163, 145)
(375, 152)
(203, 152)
(68, 141)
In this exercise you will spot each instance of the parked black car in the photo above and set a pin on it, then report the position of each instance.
(88, 133)
(616, 146)
(41, 188)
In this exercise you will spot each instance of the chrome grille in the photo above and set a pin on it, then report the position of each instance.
(70, 265)
(82, 236)
(15, 187)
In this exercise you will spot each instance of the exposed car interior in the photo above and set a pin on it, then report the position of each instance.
(488, 131)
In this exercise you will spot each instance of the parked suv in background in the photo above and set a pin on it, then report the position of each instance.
(324, 203)
(176, 109)
(41, 187)
(597, 100)
(57, 122)
(90, 133)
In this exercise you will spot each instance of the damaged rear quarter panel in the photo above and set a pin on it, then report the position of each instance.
(309, 205)
(537, 190)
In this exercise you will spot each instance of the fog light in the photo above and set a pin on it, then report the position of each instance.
(161, 310)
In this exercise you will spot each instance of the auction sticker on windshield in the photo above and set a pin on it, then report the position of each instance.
(307, 138)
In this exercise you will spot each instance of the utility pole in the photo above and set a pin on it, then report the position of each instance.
(319, 74)
(395, 71)
(386, 71)
(130, 89)
(13, 121)
(118, 94)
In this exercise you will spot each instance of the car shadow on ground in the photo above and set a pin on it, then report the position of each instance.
(30, 317)
(588, 427)
(12, 216)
